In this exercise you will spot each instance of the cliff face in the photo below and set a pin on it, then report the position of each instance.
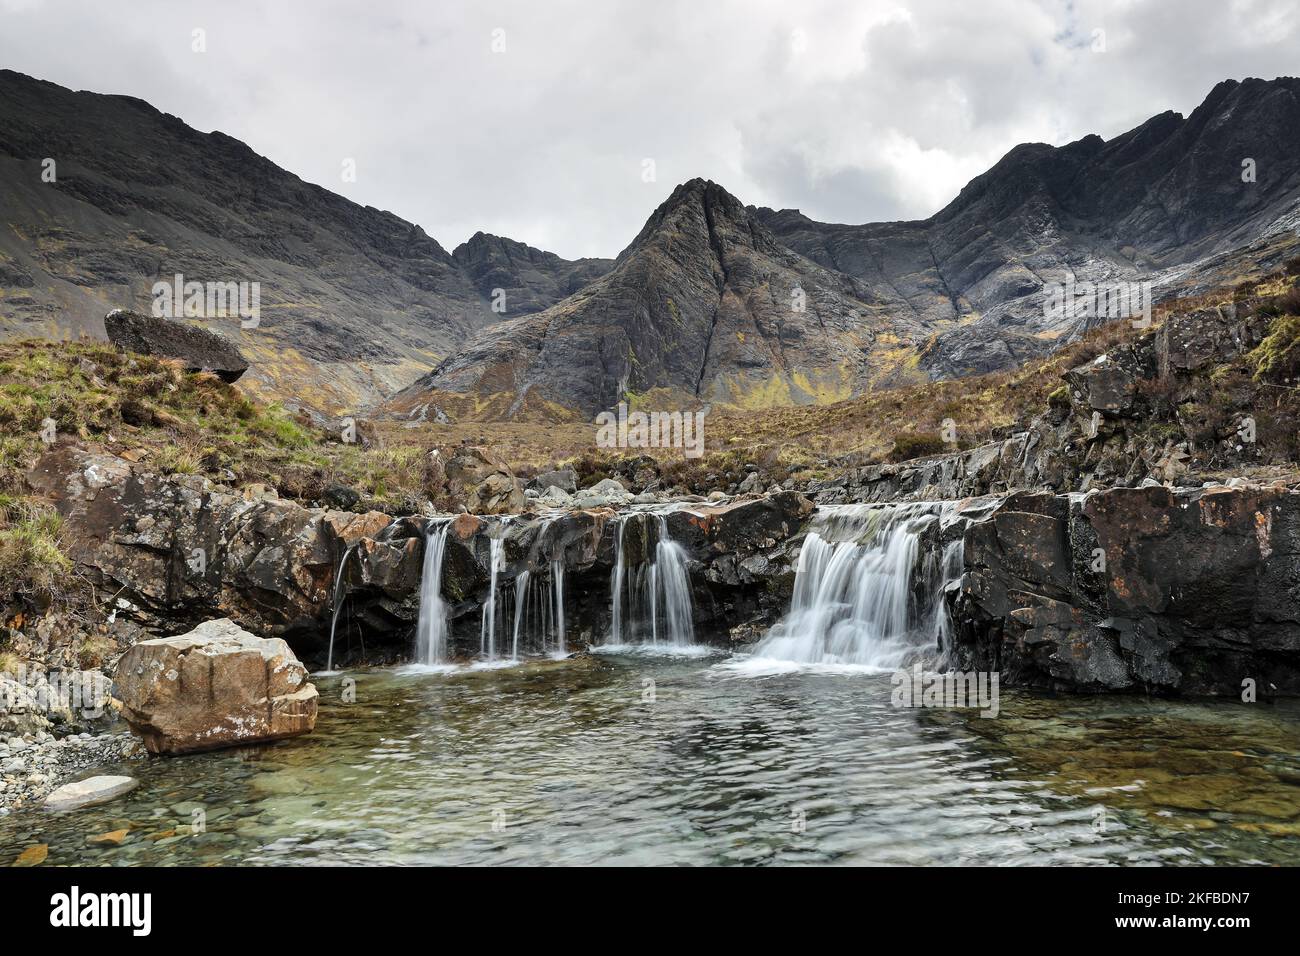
(1134, 589)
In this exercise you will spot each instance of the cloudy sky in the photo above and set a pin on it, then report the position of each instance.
(563, 124)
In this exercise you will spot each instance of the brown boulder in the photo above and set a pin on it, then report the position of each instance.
(481, 480)
(217, 686)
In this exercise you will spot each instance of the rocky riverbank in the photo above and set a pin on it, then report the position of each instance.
(1156, 409)
(34, 765)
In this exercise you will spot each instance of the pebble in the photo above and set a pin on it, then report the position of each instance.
(112, 838)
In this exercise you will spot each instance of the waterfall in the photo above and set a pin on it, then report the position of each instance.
(538, 612)
(557, 583)
(337, 599)
(616, 586)
(651, 602)
(521, 610)
(860, 595)
(431, 630)
(488, 628)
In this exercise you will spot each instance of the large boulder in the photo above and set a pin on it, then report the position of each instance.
(199, 349)
(566, 479)
(217, 686)
(21, 710)
(481, 480)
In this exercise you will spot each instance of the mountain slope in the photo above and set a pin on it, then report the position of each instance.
(712, 302)
(522, 278)
(704, 306)
(1145, 205)
(354, 301)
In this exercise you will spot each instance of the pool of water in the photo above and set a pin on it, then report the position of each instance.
(640, 759)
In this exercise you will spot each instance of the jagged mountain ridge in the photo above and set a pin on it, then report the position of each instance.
(704, 305)
(524, 279)
(1144, 205)
(358, 302)
(960, 293)
(355, 301)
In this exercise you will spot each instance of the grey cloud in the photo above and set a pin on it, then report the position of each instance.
(849, 111)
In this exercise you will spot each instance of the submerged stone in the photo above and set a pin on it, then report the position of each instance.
(89, 792)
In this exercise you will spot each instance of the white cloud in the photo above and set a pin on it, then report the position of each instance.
(851, 111)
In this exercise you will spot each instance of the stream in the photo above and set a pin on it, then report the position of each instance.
(658, 758)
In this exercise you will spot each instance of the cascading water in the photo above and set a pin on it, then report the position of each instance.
(538, 612)
(616, 586)
(861, 596)
(521, 610)
(337, 599)
(651, 602)
(431, 629)
(557, 583)
(488, 628)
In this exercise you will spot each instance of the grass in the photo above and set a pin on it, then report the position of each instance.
(32, 563)
(1277, 358)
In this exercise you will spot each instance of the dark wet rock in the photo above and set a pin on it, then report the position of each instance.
(199, 349)
(566, 479)
(1134, 589)
(173, 550)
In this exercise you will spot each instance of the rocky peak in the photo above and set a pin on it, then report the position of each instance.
(530, 278)
(704, 305)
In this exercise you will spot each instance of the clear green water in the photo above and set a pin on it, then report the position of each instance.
(572, 762)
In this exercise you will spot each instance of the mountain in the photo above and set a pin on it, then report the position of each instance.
(354, 301)
(712, 302)
(704, 305)
(697, 305)
(528, 279)
(1161, 202)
